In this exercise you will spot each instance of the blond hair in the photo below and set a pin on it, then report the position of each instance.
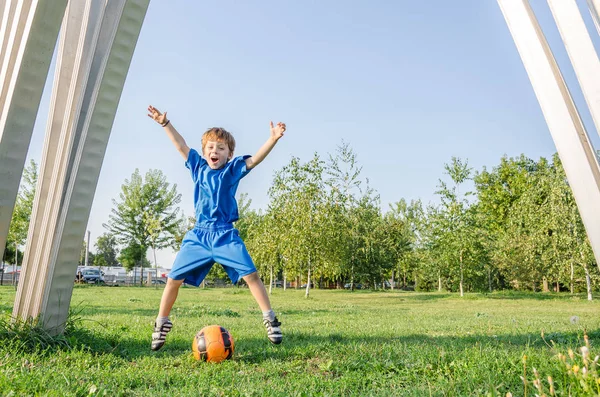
(220, 135)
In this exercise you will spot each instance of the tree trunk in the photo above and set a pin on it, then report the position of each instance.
(308, 278)
(439, 282)
(155, 264)
(271, 280)
(284, 281)
(588, 282)
(572, 279)
(545, 284)
(490, 278)
(393, 281)
(307, 283)
(557, 287)
(588, 279)
(461, 275)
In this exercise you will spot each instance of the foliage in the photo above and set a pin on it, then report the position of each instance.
(145, 215)
(134, 255)
(518, 228)
(19, 224)
(106, 250)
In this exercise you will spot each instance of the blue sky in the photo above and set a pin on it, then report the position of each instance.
(408, 84)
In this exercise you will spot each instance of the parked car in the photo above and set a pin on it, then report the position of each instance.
(90, 276)
(157, 281)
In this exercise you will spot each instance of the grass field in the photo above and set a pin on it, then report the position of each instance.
(335, 343)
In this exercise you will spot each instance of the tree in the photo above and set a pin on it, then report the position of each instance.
(457, 223)
(145, 216)
(498, 192)
(401, 235)
(297, 198)
(19, 224)
(134, 255)
(106, 251)
(345, 186)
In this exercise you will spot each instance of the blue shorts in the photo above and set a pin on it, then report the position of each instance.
(203, 246)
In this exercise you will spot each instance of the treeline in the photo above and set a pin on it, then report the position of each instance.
(515, 226)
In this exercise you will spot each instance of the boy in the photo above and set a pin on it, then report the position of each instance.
(214, 239)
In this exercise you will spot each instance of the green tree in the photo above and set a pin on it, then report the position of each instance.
(498, 191)
(401, 235)
(106, 250)
(133, 255)
(19, 224)
(458, 234)
(298, 197)
(145, 215)
(343, 178)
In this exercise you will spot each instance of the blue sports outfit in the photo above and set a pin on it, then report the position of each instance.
(213, 238)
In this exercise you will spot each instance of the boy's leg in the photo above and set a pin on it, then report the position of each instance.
(169, 296)
(257, 288)
(230, 251)
(163, 325)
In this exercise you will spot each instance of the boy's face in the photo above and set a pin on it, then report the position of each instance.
(217, 154)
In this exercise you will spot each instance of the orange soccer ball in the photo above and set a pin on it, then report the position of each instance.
(213, 343)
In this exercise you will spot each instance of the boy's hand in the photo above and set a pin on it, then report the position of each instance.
(277, 130)
(156, 115)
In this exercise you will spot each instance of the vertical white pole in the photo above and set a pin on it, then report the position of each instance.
(28, 40)
(87, 111)
(87, 250)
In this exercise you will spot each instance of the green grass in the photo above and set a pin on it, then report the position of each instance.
(335, 343)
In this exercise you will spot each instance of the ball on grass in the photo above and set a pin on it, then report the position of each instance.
(213, 343)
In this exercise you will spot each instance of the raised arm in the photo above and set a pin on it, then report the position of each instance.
(276, 133)
(174, 136)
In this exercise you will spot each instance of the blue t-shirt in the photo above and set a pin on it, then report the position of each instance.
(214, 190)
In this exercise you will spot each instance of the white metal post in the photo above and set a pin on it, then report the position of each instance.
(594, 6)
(51, 256)
(570, 137)
(582, 54)
(28, 39)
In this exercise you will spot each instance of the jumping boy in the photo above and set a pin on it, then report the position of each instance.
(214, 239)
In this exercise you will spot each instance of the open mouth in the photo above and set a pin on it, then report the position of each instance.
(214, 160)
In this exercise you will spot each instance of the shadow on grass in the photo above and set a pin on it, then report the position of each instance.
(541, 296)
(500, 295)
(289, 312)
(301, 345)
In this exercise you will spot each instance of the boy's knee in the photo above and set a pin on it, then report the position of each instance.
(173, 283)
(251, 277)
